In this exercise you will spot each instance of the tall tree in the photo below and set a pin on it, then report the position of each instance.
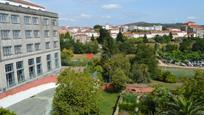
(104, 34)
(76, 94)
(146, 55)
(97, 28)
(140, 73)
(171, 36)
(92, 38)
(117, 61)
(120, 37)
(119, 79)
(66, 55)
(145, 40)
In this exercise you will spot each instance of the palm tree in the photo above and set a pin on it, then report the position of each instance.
(183, 106)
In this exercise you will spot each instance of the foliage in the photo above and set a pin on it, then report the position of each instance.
(168, 77)
(198, 45)
(97, 28)
(119, 79)
(186, 45)
(140, 73)
(118, 61)
(91, 47)
(193, 88)
(155, 103)
(183, 106)
(177, 55)
(126, 47)
(6, 112)
(162, 39)
(77, 93)
(120, 37)
(146, 55)
(129, 102)
(109, 46)
(67, 42)
(92, 38)
(103, 35)
(170, 47)
(66, 55)
(145, 40)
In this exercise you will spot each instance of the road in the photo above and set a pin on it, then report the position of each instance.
(39, 104)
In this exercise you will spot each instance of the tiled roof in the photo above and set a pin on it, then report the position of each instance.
(26, 3)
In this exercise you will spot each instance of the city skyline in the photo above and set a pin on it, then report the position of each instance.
(91, 12)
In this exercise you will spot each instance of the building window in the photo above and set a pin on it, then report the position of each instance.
(16, 34)
(54, 22)
(56, 60)
(3, 17)
(29, 47)
(28, 34)
(5, 34)
(20, 71)
(37, 47)
(39, 65)
(35, 20)
(46, 33)
(7, 51)
(54, 33)
(36, 33)
(47, 45)
(46, 21)
(49, 66)
(15, 19)
(18, 49)
(10, 79)
(55, 44)
(31, 65)
(27, 20)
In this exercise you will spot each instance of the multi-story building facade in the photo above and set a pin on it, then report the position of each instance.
(29, 44)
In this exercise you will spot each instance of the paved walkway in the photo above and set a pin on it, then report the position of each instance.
(39, 104)
(27, 90)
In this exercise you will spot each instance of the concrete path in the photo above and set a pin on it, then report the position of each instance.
(39, 104)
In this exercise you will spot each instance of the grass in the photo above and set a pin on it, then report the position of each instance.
(180, 72)
(108, 102)
(170, 86)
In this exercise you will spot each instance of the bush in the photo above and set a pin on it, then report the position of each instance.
(167, 77)
(6, 112)
(170, 79)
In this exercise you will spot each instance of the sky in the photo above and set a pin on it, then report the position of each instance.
(116, 12)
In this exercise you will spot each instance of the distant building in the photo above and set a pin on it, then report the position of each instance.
(29, 43)
(194, 30)
(63, 30)
(145, 28)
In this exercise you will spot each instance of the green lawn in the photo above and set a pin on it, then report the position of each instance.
(108, 102)
(170, 86)
(180, 72)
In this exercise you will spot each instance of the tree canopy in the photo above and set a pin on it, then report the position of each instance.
(76, 94)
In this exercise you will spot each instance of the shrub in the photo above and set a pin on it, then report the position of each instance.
(167, 77)
(170, 78)
(6, 112)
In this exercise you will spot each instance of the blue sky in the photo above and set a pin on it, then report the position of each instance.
(91, 12)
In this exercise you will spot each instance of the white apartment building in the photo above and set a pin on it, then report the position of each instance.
(145, 28)
(29, 43)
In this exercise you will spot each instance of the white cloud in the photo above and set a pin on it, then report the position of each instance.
(106, 17)
(192, 18)
(85, 16)
(67, 19)
(111, 6)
